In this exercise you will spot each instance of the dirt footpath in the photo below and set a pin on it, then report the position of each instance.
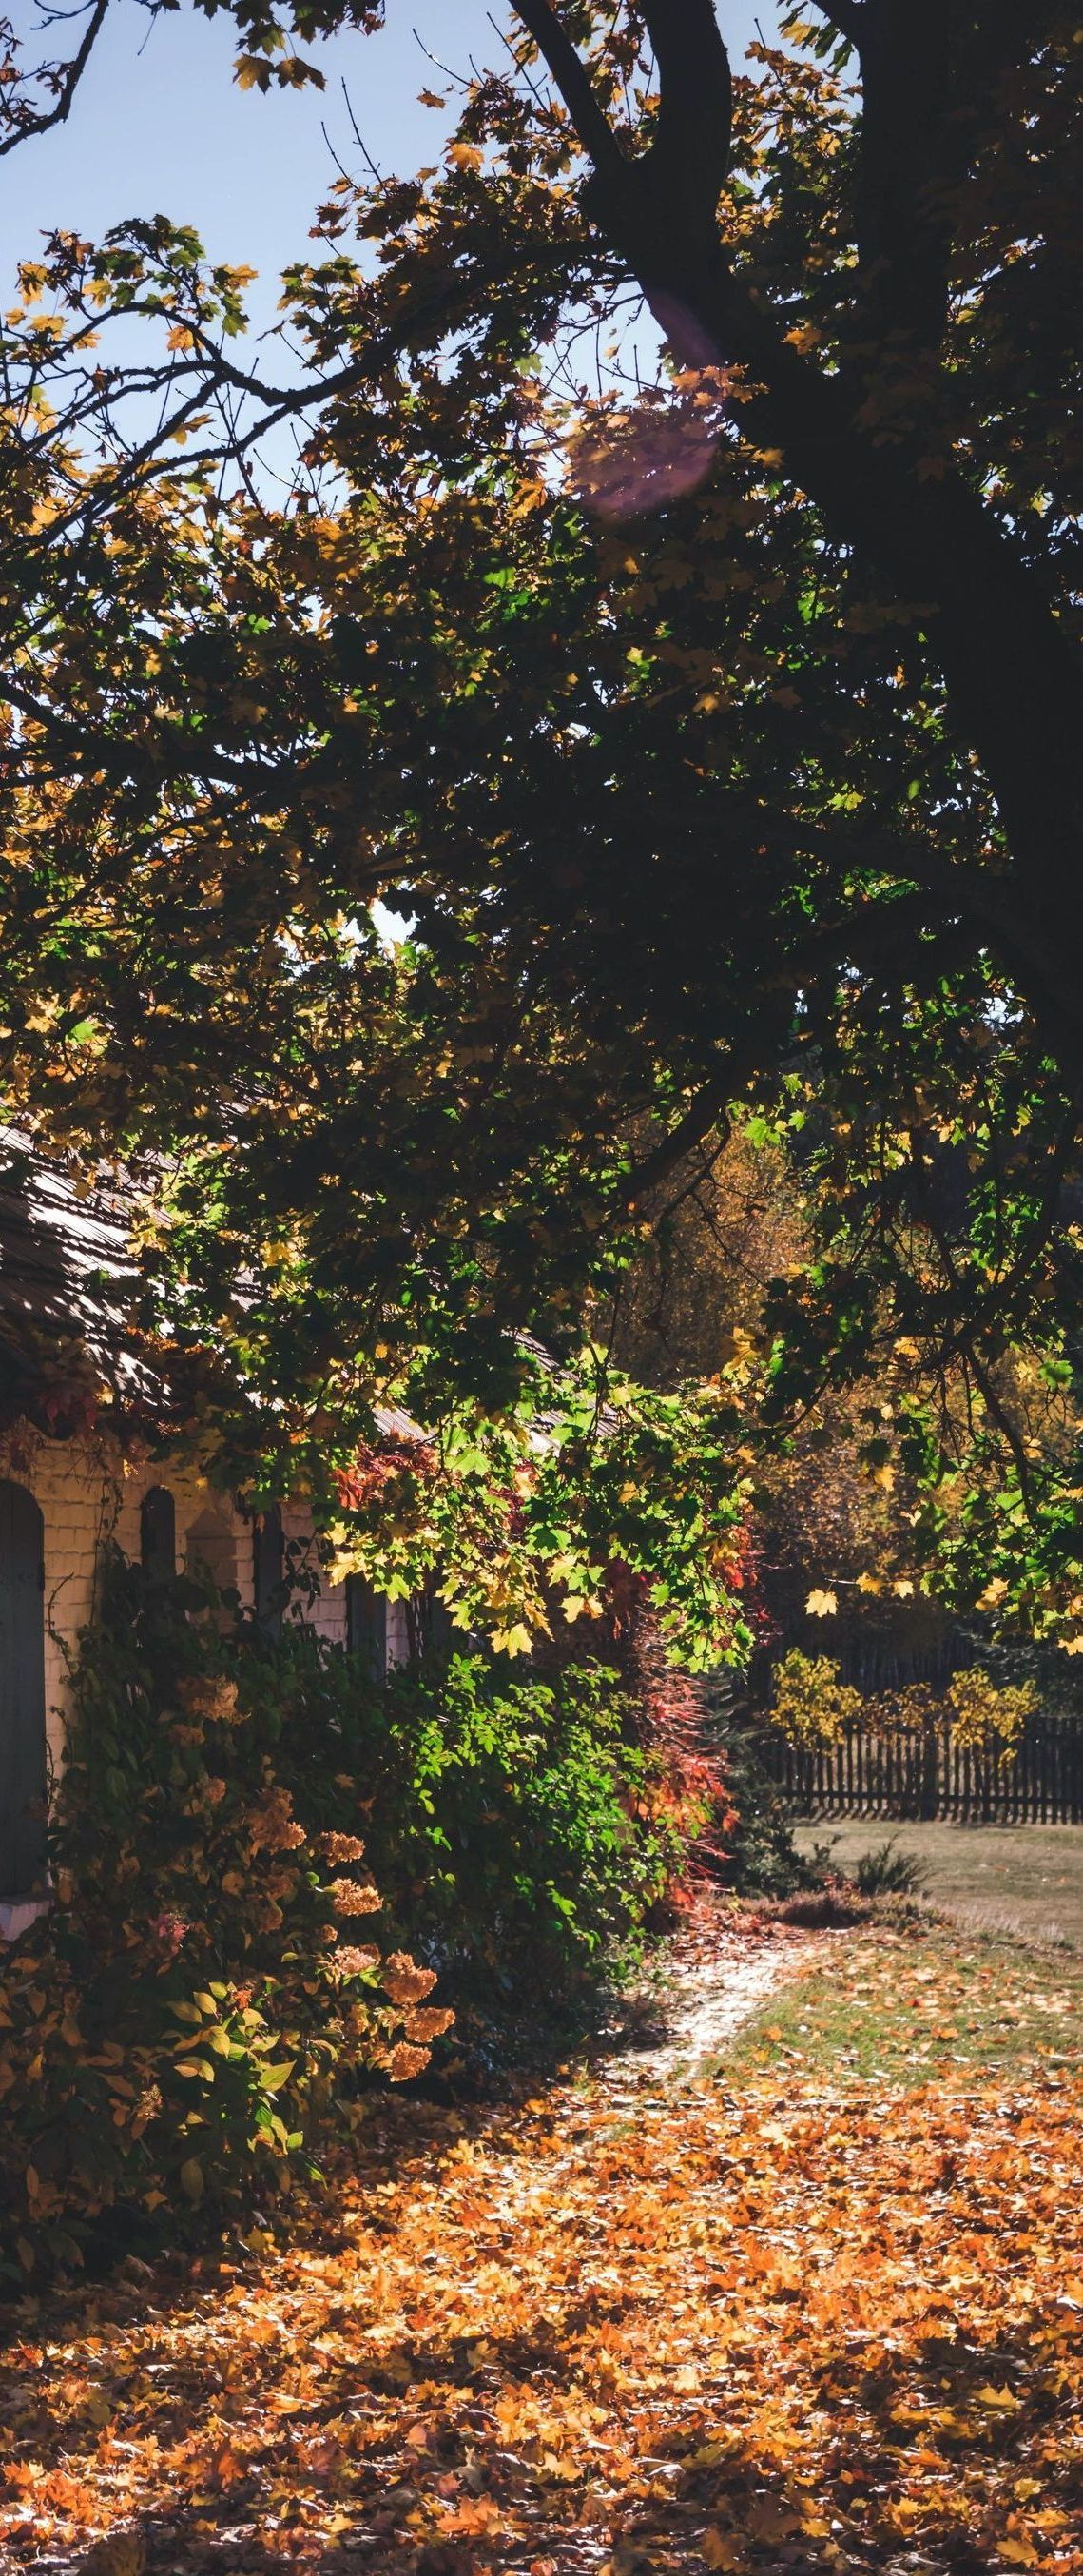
(716, 1976)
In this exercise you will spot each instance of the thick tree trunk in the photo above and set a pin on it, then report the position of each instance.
(1013, 679)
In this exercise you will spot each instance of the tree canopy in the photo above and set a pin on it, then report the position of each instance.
(672, 612)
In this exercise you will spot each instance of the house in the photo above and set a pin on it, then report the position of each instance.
(82, 1463)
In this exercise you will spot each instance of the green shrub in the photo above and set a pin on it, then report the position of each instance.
(887, 1871)
(513, 1821)
(762, 1858)
(196, 2013)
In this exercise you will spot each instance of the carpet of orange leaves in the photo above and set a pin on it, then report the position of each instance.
(627, 2324)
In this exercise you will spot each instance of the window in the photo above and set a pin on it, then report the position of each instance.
(22, 1694)
(268, 1572)
(428, 1625)
(158, 1535)
(366, 1625)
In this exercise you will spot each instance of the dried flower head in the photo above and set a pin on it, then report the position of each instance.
(357, 1961)
(404, 1981)
(209, 1697)
(339, 1848)
(405, 2061)
(351, 1898)
(271, 1823)
(428, 2024)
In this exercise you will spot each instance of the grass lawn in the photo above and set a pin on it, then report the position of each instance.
(1022, 1879)
(914, 2003)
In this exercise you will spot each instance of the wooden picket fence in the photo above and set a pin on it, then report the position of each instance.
(925, 1771)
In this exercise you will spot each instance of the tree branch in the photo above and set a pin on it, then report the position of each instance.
(575, 86)
(1012, 673)
(707, 1110)
(691, 147)
(851, 17)
(831, 943)
(32, 122)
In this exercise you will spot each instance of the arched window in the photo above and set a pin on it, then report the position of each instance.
(268, 1571)
(158, 1535)
(366, 1625)
(22, 1694)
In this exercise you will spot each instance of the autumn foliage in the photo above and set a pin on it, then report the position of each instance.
(205, 2005)
(762, 2320)
(812, 1707)
(197, 2002)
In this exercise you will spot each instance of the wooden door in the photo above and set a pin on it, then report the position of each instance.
(22, 1694)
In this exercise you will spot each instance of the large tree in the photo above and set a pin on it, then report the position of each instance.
(886, 255)
(720, 733)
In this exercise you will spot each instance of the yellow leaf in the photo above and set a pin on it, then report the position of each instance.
(821, 1605)
(513, 1641)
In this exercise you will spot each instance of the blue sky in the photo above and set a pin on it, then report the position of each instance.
(160, 127)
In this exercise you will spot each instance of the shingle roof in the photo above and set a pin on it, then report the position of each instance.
(67, 1282)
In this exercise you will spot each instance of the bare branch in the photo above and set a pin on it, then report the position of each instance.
(707, 1110)
(30, 121)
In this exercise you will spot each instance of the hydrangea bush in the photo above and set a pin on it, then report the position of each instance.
(185, 2021)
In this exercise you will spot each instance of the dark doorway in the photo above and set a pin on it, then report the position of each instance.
(428, 1625)
(268, 1572)
(366, 1625)
(158, 1535)
(22, 1694)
